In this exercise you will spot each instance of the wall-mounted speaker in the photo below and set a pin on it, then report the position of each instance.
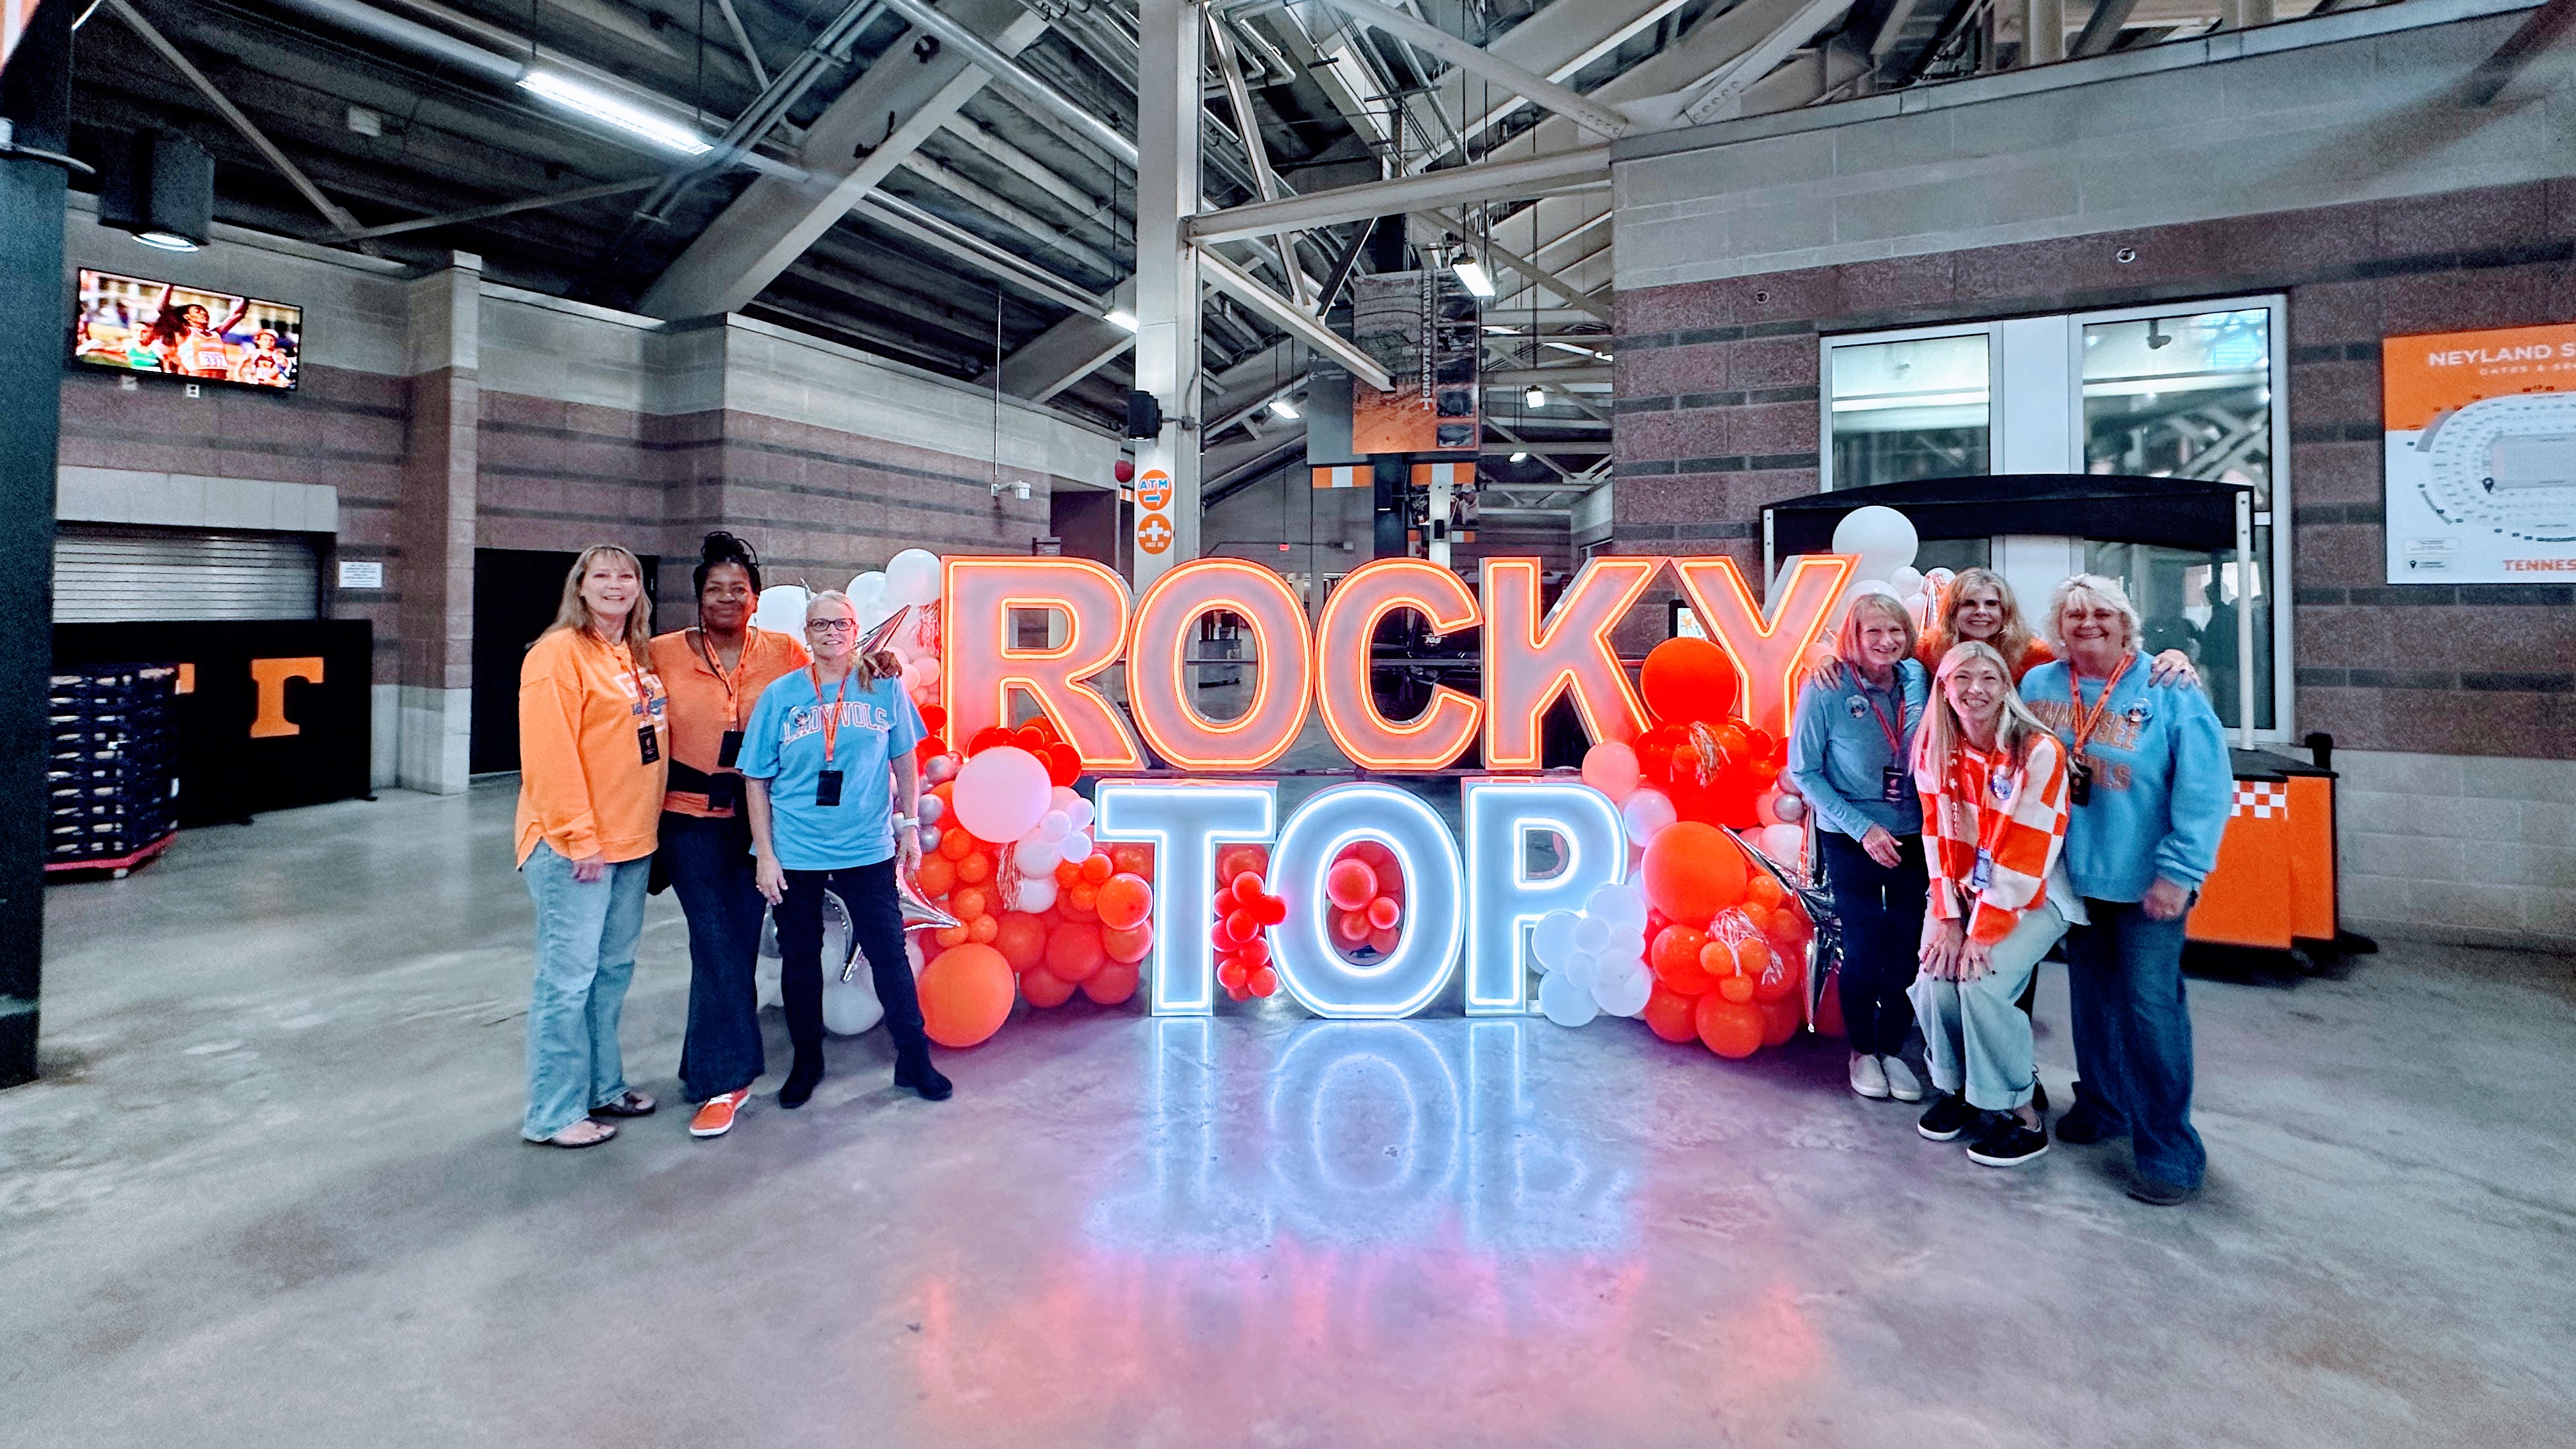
(162, 189)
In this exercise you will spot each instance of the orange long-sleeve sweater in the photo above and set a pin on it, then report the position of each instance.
(584, 787)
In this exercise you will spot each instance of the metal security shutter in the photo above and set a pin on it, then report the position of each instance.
(114, 575)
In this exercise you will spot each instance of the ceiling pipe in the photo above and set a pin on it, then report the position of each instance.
(1010, 73)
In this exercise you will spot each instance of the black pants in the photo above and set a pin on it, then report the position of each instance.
(876, 923)
(1882, 913)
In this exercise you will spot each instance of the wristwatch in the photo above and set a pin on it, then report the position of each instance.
(906, 822)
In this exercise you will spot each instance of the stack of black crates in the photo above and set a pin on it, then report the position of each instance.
(111, 769)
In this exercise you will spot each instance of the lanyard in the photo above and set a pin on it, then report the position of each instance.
(2085, 724)
(1895, 732)
(1991, 822)
(741, 660)
(831, 715)
(635, 678)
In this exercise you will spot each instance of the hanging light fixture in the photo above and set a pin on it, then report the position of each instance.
(1535, 398)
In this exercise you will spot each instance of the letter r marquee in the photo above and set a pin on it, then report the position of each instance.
(985, 663)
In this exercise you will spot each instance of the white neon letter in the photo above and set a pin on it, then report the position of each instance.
(1301, 947)
(1185, 821)
(1504, 899)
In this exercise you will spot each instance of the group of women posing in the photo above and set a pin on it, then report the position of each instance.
(1980, 794)
(752, 768)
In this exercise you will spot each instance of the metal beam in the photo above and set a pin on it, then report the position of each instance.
(1494, 251)
(742, 40)
(2548, 26)
(2102, 27)
(1296, 321)
(1537, 175)
(1257, 151)
(1557, 42)
(984, 57)
(1537, 89)
(503, 208)
(987, 257)
(1169, 122)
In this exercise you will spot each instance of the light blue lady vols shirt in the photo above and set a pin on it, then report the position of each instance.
(1839, 756)
(782, 744)
(2163, 782)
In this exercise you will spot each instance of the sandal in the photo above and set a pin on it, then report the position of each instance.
(584, 1133)
(628, 1104)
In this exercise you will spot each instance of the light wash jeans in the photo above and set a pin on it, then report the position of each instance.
(585, 958)
(1976, 1030)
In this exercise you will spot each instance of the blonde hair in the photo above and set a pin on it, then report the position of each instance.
(2092, 588)
(2015, 727)
(574, 611)
(1847, 638)
(2012, 640)
(882, 664)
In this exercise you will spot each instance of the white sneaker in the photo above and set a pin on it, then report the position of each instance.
(1901, 1081)
(1867, 1077)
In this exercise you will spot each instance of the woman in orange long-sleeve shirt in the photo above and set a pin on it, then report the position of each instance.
(593, 738)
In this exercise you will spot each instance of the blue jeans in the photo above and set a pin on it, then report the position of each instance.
(585, 958)
(2132, 1033)
(1976, 1037)
(1882, 914)
(709, 862)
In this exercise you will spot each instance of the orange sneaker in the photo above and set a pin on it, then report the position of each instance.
(715, 1114)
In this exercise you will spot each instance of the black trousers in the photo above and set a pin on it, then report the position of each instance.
(876, 924)
(1882, 911)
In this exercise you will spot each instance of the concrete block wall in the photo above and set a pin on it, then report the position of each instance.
(1741, 245)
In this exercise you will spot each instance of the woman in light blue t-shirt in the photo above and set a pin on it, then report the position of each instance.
(827, 761)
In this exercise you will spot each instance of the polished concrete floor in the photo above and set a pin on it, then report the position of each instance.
(271, 1193)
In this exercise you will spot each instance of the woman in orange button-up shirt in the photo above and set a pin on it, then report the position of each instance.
(715, 671)
(592, 741)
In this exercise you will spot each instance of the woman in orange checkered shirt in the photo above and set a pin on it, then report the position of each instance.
(1993, 782)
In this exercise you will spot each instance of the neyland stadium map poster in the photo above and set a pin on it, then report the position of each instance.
(2481, 448)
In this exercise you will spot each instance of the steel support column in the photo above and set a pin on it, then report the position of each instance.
(1167, 279)
(35, 97)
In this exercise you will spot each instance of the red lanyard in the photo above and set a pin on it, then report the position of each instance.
(2085, 724)
(832, 714)
(1896, 732)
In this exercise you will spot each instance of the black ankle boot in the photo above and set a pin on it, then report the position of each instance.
(918, 1074)
(802, 1078)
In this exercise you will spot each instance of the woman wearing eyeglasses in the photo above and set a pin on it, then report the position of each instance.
(828, 764)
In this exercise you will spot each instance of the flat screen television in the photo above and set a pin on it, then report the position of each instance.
(138, 324)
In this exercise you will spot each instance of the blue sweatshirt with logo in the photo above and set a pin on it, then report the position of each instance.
(2162, 782)
(1838, 752)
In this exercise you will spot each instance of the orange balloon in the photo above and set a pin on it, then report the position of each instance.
(1074, 951)
(1735, 988)
(965, 995)
(975, 868)
(1111, 984)
(1021, 938)
(1350, 928)
(1671, 1015)
(1762, 890)
(1097, 868)
(1729, 1028)
(1044, 988)
(1693, 871)
(1756, 914)
(1688, 679)
(1780, 975)
(1068, 874)
(1752, 954)
(1384, 942)
(936, 875)
(983, 929)
(1350, 884)
(1133, 859)
(1383, 912)
(950, 935)
(1233, 974)
(1829, 1010)
(1780, 1021)
(1675, 955)
(1130, 945)
(1254, 954)
(1124, 901)
(968, 903)
(1083, 898)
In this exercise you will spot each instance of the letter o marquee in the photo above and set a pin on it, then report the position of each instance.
(1158, 679)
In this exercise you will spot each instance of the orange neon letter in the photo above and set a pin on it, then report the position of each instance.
(1158, 679)
(271, 676)
(984, 663)
(1527, 666)
(1342, 692)
(1767, 654)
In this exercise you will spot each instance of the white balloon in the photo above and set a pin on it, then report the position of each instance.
(1079, 814)
(1644, 813)
(1617, 905)
(1566, 1002)
(1076, 845)
(1621, 989)
(1884, 539)
(1591, 934)
(1061, 798)
(867, 587)
(782, 608)
(1941, 578)
(1552, 939)
(1906, 580)
(1626, 942)
(872, 612)
(912, 577)
(1054, 825)
(850, 1007)
(1034, 891)
(1035, 857)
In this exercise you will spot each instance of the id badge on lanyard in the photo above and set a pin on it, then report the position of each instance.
(1893, 786)
(2079, 766)
(827, 781)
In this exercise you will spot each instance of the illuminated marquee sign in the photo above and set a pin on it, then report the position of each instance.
(1473, 897)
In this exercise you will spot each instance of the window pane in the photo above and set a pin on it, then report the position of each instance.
(2187, 396)
(2190, 602)
(1915, 409)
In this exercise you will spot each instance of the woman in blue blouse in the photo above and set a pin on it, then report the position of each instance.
(827, 761)
(1850, 750)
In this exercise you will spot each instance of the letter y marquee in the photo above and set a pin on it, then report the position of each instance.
(1767, 653)
(1527, 665)
(985, 663)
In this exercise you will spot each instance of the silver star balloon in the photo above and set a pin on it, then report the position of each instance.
(1825, 947)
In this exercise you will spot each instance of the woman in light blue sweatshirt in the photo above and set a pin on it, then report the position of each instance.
(1851, 748)
(2150, 790)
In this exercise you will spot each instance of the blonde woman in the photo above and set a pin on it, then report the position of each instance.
(1993, 784)
(1850, 746)
(2149, 789)
(1979, 605)
(593, 738)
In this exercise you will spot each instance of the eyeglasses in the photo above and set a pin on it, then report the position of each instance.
(831, 626)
